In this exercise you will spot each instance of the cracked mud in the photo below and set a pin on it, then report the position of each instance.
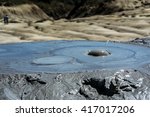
(75, 70)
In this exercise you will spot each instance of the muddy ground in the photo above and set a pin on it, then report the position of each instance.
(106, 84)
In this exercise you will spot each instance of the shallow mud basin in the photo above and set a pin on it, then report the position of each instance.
(74, 70)
(70, 56)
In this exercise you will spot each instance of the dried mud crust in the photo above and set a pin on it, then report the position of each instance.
(98, 85)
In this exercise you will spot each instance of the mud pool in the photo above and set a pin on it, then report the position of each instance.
(75, 70)
(70, 56)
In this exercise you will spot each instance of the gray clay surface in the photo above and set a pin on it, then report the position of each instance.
(75, 70)
(70, 56)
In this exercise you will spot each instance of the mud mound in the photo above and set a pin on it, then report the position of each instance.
(24, 75)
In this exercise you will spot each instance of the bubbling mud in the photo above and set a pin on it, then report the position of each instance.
(71, 56)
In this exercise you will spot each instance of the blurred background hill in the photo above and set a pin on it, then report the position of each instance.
(72, 8)
(38, 20)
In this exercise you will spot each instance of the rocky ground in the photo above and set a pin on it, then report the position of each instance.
(99, 85)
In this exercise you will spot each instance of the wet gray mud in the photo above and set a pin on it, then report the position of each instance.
(75, 70)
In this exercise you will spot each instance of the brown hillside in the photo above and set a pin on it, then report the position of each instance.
(24, 12)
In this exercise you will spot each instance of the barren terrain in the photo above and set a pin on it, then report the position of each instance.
(120, 26)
